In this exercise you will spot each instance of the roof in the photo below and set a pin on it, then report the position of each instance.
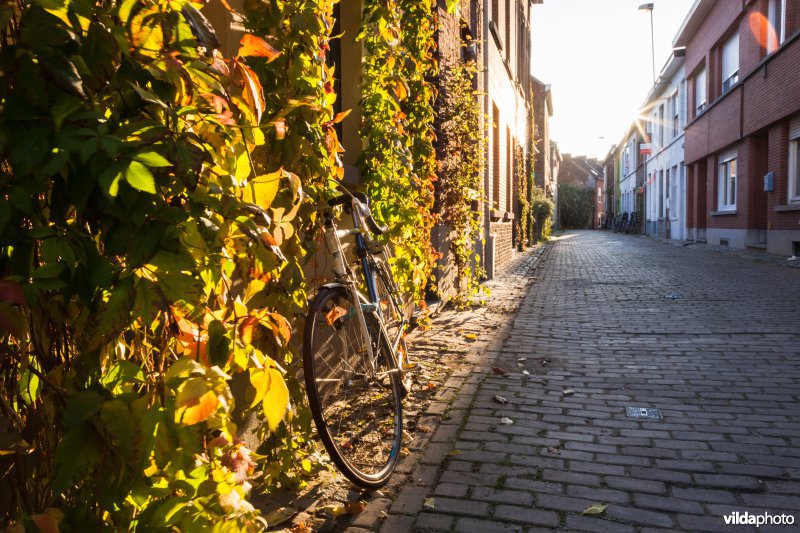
(692, 22)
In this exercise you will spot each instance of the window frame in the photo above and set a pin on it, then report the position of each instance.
(700, 106)
(733, 78)
(776, 17)
(726, 195)
(794, 171)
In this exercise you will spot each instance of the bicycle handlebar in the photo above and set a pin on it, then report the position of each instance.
(363, 201)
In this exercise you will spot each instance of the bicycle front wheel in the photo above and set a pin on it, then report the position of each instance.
(356, 404)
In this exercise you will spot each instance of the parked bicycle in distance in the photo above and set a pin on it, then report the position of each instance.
(355, 358)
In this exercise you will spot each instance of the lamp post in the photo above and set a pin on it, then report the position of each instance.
(649, 7)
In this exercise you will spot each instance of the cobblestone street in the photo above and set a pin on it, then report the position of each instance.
(710, 339)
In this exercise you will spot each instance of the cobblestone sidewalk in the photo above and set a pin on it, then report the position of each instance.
(711, 340)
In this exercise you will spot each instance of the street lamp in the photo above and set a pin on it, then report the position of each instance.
(649, 7)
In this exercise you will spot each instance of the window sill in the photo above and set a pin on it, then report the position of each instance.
(723, 212)
(794, 206)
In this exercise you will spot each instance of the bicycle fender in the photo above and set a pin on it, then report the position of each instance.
(333, 285)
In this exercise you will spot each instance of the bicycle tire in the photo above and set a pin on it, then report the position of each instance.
(359, 419)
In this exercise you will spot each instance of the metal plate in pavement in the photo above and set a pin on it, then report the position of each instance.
(648, 413)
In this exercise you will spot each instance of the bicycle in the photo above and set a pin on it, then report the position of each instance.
(354, 352)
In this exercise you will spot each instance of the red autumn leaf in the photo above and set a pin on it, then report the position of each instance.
(253, 46)
(11, 293)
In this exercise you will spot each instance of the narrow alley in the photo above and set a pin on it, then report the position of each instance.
(710, 339)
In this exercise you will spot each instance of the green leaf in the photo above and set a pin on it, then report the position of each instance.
(167, 513)
(109, 180)
(152, 159)
(117, 421)
(122, 372)
(81, 406)
(116, 312)
(77, 453)
(219, 344)
(139, 177)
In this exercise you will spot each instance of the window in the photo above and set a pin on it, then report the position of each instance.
(700, 92)
(730, 63)
(509, 170)
(661, 125)
(661, 194)
(673, 193)
(726, 183)
(675, 115)
(495, 158)
(507, 41)
(794, 160)
(776, 32)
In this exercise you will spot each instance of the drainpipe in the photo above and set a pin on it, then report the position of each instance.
(487, 256)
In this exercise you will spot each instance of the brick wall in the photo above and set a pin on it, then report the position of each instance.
(772, 92)
(504, 251)
(723, 14)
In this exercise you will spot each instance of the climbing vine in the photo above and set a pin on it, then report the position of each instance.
(462, 157)
(152, 236)
(398, 161)
(522, 178)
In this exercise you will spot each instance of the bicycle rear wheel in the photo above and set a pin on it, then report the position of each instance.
(357, 411)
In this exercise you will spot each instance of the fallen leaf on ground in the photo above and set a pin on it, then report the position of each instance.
(545, 362)
(497, 371)
(500, 399)
(355, 507)
(404, 452)
(451, 453)
(426, 429)
(471, 336)
(280, 515)
(300, 527)
(568, 392)
(335, 510)
(430, 385)
(429, 503)
(383, 514)
(526, 373)
(506, 421)
(552, 450)
(521, 359)
(595, 509)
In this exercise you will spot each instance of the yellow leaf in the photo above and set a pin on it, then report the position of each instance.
(195, 401)
(335, 510)
(595, 509)
(262, 189)
(472, 336)
(279, 516)
(276, 399)
(253, 46)
(259, 379)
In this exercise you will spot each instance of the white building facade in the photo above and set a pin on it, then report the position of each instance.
(665, 172)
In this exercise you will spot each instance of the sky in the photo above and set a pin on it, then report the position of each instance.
(596, 55)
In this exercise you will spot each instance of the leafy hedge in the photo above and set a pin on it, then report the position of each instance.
(575, 205)
(151, 239)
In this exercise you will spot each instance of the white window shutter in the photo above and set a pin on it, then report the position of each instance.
(700, 87)
(730, 57)
(794, 128)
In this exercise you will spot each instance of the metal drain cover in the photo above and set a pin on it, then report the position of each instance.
(644, 412)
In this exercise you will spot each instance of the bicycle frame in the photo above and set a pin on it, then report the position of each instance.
(365, 247)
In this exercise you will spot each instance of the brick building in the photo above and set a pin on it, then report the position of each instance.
(665, 176)
(496, 34)
(743, 134)
(506, 83)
